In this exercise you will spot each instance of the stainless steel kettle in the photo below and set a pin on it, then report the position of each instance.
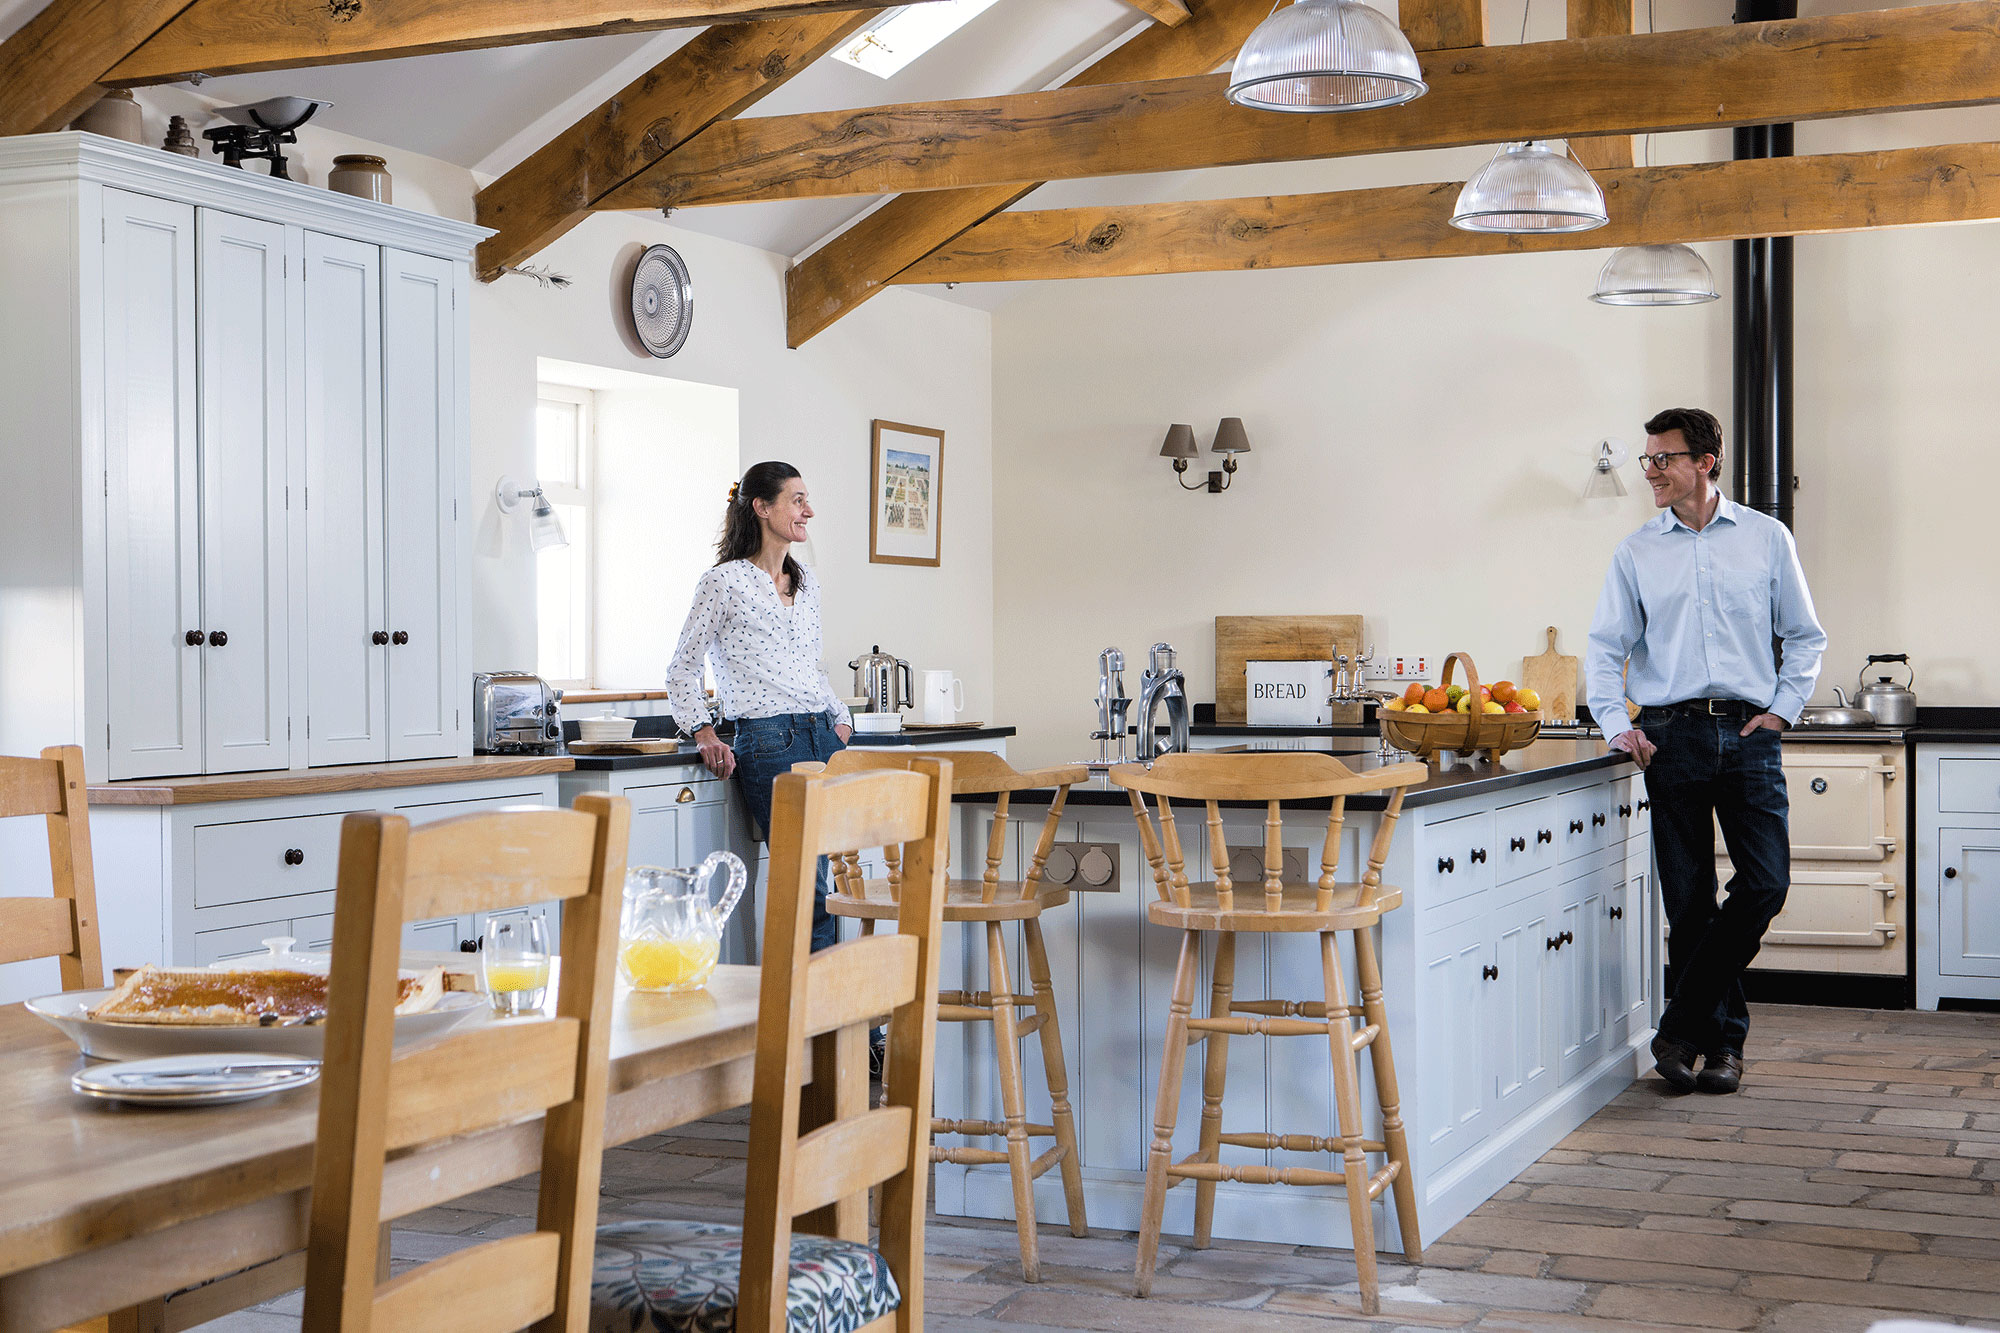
(876, 675)
(1893, 705)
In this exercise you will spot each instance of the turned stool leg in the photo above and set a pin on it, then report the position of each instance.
(1062, 1117)
(1013, 1099)
(1347, 1108)
(1166, 1109)
(1395, 1138)
(1215, 1073)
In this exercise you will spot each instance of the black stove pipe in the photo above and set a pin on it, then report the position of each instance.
(1762, 328)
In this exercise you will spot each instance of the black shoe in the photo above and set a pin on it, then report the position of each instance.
(1674, 1061)
(1721, 1073)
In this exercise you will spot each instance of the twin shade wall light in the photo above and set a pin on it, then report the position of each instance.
(1230, 440)
(545, 530)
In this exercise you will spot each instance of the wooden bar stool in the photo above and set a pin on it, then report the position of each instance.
(993, 901)
(1325, 907)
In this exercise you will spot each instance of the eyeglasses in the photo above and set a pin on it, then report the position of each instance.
(1658, 462)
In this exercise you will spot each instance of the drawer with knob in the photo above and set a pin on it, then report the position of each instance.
(265, 858)
(1524, 839)
(1458, 859)
(1587, 820)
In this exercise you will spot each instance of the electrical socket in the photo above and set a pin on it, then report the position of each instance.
(1401, 667)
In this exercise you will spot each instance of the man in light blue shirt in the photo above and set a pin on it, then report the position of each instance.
(1686, 625)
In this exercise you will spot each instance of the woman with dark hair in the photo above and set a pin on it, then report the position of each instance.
(755, 620)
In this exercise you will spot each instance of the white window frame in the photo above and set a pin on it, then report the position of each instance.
(583, 587)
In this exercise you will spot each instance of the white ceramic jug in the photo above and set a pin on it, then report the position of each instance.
(942, 697)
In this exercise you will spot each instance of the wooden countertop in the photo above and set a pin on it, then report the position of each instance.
(609, 696)
(314, 781)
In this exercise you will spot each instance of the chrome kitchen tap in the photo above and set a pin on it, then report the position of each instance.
(1162, 683)
(1113, 704)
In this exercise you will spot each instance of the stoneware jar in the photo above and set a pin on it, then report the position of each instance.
(360, 175)
(116, 115)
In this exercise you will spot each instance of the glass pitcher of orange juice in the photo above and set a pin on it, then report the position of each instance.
(669, 934)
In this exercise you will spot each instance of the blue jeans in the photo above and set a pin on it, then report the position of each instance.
(768, 746)
(1706, 774)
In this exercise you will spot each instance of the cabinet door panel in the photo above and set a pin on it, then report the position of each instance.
(1520, 1007)
(346, 670)
(245, 682)
(1635, 976)
(1454, 1080)
(1581, 1005)
(1969, 902)
(419, 445)
(152, 548)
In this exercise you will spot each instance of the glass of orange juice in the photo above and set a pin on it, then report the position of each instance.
(514, 960)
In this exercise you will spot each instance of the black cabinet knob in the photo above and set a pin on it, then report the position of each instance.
(379, 637)
(1576, 826)
(1617, 914)
(294, 856)
(1544, 835)
(1645, 805)
(1517, 844)
(1624, 812)
(1567, 938)
(401, 636)
(1554, 942)
(216, 638)
(195, 638)
(1597, 820)
(468, 946)
(1478, 855)
(1490, 972)
(1951, 872)
(1446, 865)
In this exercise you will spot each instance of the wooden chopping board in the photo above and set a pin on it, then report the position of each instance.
(1240, 639)
(1553, 676)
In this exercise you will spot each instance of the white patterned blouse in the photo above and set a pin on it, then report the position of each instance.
(766, 658)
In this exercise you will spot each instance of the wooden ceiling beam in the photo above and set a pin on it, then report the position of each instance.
(1443, 25)
(50, 67)
(858, 263)
(1717, 201)
(719, 74)
(1602, 18)
(217, 37)
(1704, 78)
(1169, 13)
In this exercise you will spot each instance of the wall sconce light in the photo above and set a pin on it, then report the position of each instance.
(1605, 483)
(545, 530)
(1230, 440)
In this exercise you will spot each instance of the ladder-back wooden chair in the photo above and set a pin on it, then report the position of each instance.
(1325, 907)
(480, 1076)
(992, 900)
(63, 926)
(801, 1259)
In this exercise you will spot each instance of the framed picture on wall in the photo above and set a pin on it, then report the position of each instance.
(906, 470)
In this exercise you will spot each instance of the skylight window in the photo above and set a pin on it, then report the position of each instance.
(886, 46)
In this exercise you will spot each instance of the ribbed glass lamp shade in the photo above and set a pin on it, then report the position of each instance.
(1654, 275)
(1530, 189)
(1326, 55)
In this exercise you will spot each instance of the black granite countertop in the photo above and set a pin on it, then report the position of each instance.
(1449, 781)
(688, 754)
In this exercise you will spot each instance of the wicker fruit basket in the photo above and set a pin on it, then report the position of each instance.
(1424, 734)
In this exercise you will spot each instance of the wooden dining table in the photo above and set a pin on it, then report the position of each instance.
(104, 1206)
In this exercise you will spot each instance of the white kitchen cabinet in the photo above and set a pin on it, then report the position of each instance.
(243, 408)
(1956, 883)
(1577, 945)
(1457, 1089)
(1969, 903)
(152, 580)
(1520, 996)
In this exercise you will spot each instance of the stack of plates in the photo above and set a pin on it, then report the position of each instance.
(605, 728)
(194, 1080)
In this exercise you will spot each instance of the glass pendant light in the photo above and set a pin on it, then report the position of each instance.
(1326, 55)
(1533, 188)
(1655, 275)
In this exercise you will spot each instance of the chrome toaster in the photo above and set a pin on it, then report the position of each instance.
(514, 713)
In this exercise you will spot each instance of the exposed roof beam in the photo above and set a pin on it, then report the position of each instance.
(1172, 13)
(1441, 25)
(1602, 18)
(1752, 73)
(49, 69)
(859, 262)
(717, 75)
(1717, 201)
(218, 37)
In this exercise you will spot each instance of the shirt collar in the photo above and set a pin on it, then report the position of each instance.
(1725, 512)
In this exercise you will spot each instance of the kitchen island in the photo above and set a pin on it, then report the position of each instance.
(1522, 977)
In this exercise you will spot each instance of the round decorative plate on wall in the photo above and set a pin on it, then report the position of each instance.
(662, 300)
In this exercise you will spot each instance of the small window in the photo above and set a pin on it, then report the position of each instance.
(565, 439)
(886, 46)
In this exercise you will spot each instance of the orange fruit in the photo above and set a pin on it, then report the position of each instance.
(1415, 694)
(1503, 690)
(1437, 701)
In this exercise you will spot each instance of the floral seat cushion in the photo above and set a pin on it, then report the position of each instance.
(680, 1277)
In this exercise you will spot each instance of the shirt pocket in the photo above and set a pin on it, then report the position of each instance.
(1745, 596)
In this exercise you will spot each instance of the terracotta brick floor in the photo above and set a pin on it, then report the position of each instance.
(1855, 1177)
